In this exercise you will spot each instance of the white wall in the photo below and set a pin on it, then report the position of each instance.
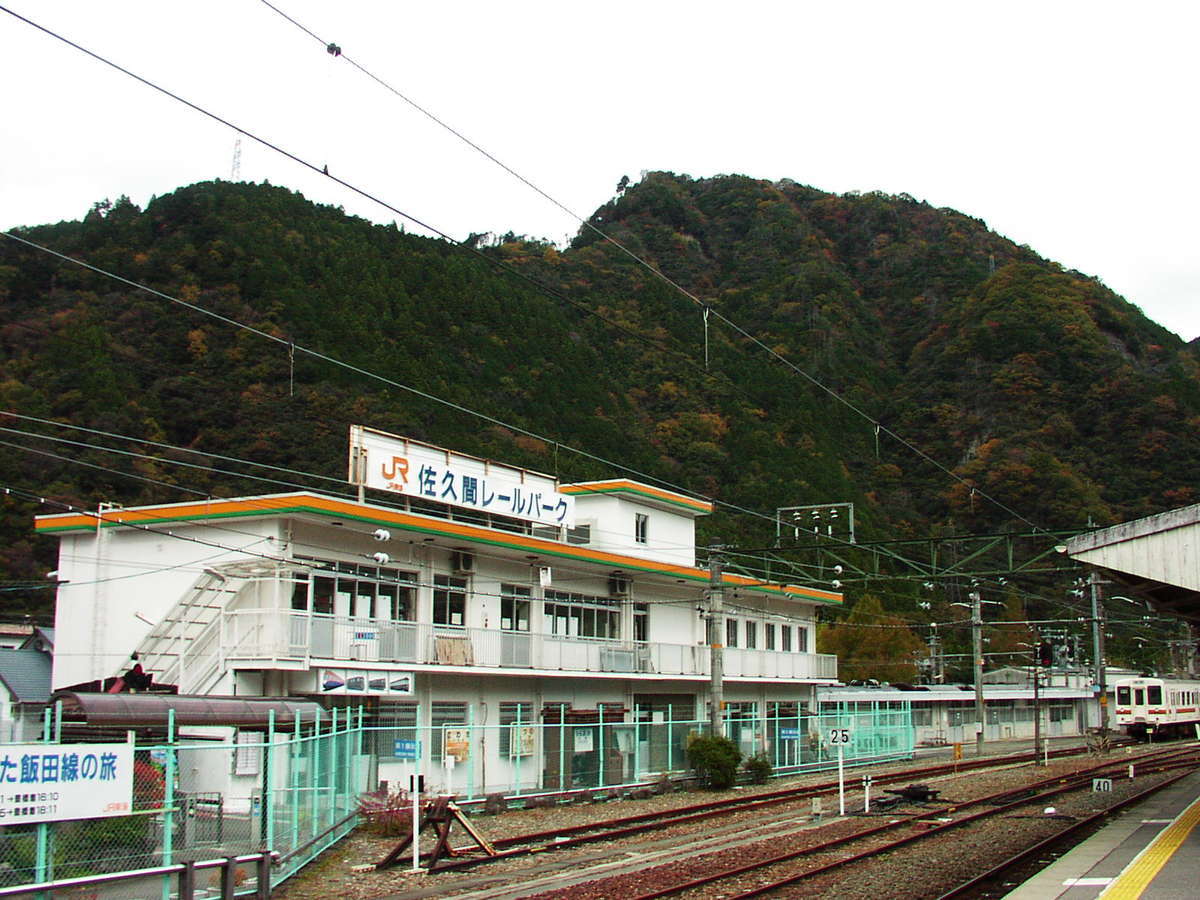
(119, 581)
(671, 537)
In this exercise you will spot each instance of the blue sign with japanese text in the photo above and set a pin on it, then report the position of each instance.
(407, 749)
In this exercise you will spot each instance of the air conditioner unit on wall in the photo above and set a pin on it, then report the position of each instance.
(618, 586)
(462, 563)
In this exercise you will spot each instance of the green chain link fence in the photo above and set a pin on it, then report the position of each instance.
(292, 793)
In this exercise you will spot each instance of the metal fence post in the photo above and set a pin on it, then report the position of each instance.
(600, 752)
(168, 803)
(637, 743)
(670, 738)
(471, 751)
(294, 781)
(229, 878)
(44, 864)
(187, 880)
(263, 881)
(268, 774)
(333, 768)
(314, 783)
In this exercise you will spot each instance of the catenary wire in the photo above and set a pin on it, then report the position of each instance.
(656, 272)
(734, 326)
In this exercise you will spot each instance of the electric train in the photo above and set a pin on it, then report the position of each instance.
(1158, 707)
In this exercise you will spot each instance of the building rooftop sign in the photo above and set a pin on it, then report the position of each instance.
(387, 462)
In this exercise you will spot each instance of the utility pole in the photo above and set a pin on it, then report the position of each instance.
(1038, 659)
(977, 650)
(716, 635)
(1098, 650)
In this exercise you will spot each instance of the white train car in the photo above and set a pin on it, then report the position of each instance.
(1158, 707)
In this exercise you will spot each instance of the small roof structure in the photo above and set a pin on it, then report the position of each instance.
(26, 675)
(152, 710)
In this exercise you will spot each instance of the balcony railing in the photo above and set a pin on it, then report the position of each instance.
(302, 637)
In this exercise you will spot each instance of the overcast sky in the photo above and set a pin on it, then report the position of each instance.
(1070, 127)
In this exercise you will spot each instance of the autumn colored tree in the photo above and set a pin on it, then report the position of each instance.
(870, 643)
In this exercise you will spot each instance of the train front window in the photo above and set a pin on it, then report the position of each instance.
(1154, 694)
(1139, 697)
(1123, 695)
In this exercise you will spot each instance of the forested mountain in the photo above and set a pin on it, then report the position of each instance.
(1035, 384)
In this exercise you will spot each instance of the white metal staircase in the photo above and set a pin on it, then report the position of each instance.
(184, 648)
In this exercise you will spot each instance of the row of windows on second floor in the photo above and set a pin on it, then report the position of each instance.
(383, 594)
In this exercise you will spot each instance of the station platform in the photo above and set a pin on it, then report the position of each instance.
(1151, 851)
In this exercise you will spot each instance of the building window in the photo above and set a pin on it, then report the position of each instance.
(751, 635)
(397, 722)
(249, 753)
(449, 600)
(364, 592)
(801, 639)
(581, 615)
(517, 730)
(731, 630)
(641, 526)
(449, 725)
(741, 711)
(769, 636)
(514, 607)
(580, 534)
(785, 638)
(641, 622)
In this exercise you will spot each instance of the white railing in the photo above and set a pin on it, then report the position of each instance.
(302, 637)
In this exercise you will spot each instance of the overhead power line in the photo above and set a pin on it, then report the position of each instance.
(880, 428)
(658, 273)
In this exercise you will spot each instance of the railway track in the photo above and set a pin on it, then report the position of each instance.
(903, 832)
(630, 826)
(662, 843)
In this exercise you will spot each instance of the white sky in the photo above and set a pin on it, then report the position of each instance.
(1070, 127)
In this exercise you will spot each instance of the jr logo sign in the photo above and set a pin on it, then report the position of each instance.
(396, 470)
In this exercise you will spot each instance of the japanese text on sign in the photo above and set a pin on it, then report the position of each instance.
(388, 463)
(51, 782)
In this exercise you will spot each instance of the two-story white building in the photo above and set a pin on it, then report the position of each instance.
(476, 595)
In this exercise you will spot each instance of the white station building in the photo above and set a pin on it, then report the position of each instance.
(473, 594)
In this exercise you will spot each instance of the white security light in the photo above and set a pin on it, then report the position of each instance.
(381, 534)
(382, 558)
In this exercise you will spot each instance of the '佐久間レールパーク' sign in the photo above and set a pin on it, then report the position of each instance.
(386, 462)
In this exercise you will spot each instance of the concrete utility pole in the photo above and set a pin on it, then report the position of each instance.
(1037, 706)
(716, 635)
(977, 652)
(1098, 650)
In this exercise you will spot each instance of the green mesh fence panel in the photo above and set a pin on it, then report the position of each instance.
(295, 795)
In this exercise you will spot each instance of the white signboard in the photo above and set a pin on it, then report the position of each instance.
(386, 462)
(52, 782)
